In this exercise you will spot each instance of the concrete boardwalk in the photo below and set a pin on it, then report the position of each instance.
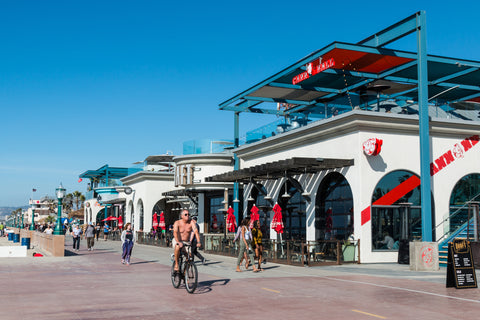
(95, 285)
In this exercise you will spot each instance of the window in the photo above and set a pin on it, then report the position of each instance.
(334, 208)
(400, 219)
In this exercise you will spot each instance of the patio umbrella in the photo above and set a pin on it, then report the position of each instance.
(231, 221)
(161, 224)
(254, 216)
(155, 222)
(277, 222)
(120, 222)
(110, 218)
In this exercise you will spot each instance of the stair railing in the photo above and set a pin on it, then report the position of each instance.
(471, 204)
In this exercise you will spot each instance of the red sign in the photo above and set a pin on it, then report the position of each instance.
(372, 147)
(313, 68)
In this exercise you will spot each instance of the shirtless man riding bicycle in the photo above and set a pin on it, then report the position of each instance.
(182, 231)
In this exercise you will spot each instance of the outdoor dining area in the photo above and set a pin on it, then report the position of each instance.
(295, 252)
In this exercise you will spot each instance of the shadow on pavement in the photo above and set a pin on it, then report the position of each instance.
(206, 286)
(141, 262)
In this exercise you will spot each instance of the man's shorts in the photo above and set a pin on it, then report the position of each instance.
(174, 243)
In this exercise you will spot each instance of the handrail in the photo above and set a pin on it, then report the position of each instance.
(466, 204)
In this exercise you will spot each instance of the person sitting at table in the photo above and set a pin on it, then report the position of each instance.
(387, 242)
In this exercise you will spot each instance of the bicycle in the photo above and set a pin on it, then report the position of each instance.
(187, 269)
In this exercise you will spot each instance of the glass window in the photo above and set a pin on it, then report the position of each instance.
(400, 219)
(293, 212)
(334, 208)
(217, 224)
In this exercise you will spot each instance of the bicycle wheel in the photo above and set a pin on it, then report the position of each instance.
(191, 276)
(176, 276)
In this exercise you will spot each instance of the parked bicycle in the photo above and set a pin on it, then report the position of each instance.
(187, 269)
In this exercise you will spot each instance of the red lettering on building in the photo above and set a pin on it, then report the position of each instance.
(466, 144)
(448, 157)
(313, 68)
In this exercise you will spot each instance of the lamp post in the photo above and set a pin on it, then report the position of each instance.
(60, 192)
(32, 226)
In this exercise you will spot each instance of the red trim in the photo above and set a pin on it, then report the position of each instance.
(392, 196)
(398, 192)
(366, 215)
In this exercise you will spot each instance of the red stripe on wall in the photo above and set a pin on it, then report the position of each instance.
(392, 196)
(398, 192)
(366, 215)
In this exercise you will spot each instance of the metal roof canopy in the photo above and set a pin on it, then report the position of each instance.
(344, 71)
(105, 171)
(358, 70)
(279, 169)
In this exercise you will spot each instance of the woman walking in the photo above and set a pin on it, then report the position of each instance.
(127, 243)
(257, 241)
(246, 245)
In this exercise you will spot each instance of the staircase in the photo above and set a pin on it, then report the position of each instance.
(461, 233)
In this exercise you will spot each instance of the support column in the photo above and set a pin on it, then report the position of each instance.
(236, 195)
(425, 156)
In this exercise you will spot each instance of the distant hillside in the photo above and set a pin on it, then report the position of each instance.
(5, 211)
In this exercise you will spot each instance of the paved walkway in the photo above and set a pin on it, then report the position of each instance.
(95, 285)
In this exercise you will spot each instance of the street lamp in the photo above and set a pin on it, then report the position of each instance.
(60, 192)
(32, 226)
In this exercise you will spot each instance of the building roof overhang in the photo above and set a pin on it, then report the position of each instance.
(347, 75)
(281, 168)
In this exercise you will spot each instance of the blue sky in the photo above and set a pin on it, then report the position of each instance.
(88, 83)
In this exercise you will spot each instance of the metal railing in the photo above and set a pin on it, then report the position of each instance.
(154, 239)
(292, 252)
(468, 206)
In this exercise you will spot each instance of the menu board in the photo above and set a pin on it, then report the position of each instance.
(460, 266)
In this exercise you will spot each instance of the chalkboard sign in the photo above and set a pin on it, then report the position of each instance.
(460, 266)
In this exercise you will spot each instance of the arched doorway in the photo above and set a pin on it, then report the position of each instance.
(466, 189)
(170, 211)
(397, 214)
(264, 207)
(293, 211)
(334, 208)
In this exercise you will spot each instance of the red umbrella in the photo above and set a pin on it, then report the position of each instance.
(155, 222)
(120, 222)
(161, 224)
(231, 221)
(110, 218)
(277, 221)
(254, 216)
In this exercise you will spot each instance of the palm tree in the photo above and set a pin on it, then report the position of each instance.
(77, 195)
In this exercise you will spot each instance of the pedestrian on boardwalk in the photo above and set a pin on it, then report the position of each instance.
(90, 235)
(106, 229)
(97, 230)
(246, 245)
(194, 244)
(257, 242)
(49, 230)
(76, 233)
(127, 243)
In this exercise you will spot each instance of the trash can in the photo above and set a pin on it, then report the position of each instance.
(26, 242)
(10, 236)
(16, 237)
